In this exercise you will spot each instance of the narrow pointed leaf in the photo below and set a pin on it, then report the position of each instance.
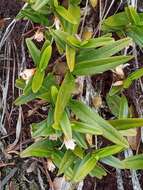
(57, 158)
(38, 149)
(133, 76)
(123, 110)
(107, 151)
(80, 140)
(103, 52)
(59, 37)
(63, 97)
(128, 123)
(134, 162)
(87, 115)
(45, 57)
(97, 42)
(66, 126)
(66, 161)
(34, 51)
(116, 22)
(100, 65)
(113, 161)
(35, 16)
(114, 104)
(132, 15)
(39, 4)
(86, 128)
(86, 165)
(37, 80)
(66, 14)
(70, 56)
(98, 172)
(54, 93)
(44, 128)
(20, 83)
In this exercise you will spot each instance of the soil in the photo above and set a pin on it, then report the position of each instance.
(16, 175)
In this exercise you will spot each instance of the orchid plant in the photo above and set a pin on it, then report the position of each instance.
(61, 137)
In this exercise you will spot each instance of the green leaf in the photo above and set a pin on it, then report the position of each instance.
(80, 140)
(23, 99)
(129, 132)
(43, 93)
(39, 149)
(134, 162)
(98, 172)
(66, 14)
(57, 157)
(44, 128)
(35, 16)
(74, 10)
(107, 151)
(116, 22)
(113, 161)
(87, 115)
(27, 90)
(68, 27)
(135, 32)
(70, 56)
(133, 76)
(66, 126)
(59, 37)
(34, 51)
(85, 128)
(103, 52)
(100, 65)
(45, 45)
(39, 4)
(115, 90)
(20, 83)
(73, 41)
(79, 152)
(55, 3)
(75, 2)
(96, 42)
(63, 97)
(91, 43)
(123, 110)
(85, 166)
(132, 15)
(37, 80)
(45, 57)
(129, 123)
(43, 131)
(54, 93)
(66, 161)
(114, 104)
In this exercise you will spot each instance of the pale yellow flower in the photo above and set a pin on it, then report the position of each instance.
(39, 36)
(26, 74)
(53, 137)
(118, 83)
(57, 23)
(51, 167)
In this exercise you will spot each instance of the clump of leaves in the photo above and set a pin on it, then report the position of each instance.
(63, 136)
(127, 23)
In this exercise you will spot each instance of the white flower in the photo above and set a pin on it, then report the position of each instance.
(39, 36)
(51, 167)
(69, 143)
(119, 71)
(27, 74)
(53, 137)
(118, 83)
(57, 23)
